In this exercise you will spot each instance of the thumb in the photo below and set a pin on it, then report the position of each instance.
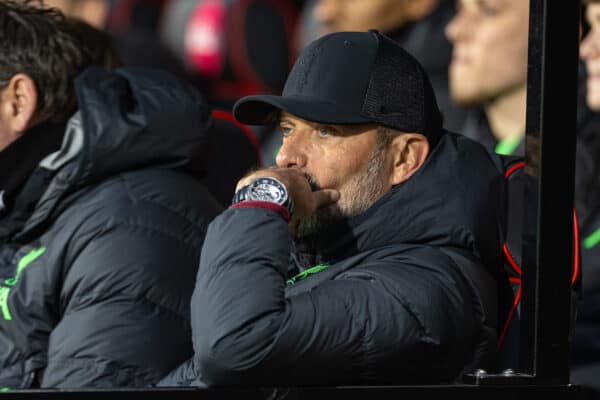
(325, 197)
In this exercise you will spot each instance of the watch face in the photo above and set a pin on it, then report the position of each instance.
(266, 189)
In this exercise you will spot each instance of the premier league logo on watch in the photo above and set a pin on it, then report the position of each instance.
(265, 189)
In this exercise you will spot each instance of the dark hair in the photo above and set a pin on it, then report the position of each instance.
(41, 43)
(97, 45)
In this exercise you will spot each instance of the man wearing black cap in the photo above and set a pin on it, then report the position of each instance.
(396, 227)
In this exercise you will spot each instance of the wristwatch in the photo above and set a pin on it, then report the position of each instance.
(265, 189)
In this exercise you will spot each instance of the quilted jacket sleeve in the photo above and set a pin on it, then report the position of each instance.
(124, 308)
(364, 327)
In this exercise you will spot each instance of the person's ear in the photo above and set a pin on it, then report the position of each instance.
(19, 103)
(409, 152)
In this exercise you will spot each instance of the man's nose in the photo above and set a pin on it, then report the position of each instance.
(458, 27)
(589, 46)
(291, 154)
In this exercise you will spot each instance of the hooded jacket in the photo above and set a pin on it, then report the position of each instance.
(95, 284)
(405, 293)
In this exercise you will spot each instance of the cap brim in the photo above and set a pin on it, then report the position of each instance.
(259, 110)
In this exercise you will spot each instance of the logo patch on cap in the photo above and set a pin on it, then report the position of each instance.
(307, 61)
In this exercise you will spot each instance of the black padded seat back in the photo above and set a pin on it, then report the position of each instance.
(509, 315)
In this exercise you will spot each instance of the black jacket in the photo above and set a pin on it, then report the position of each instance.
(95, 284)
(585, 356)
(408, 294)
(477, 127)
(587, 197)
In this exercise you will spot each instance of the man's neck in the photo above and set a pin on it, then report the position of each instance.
(506, 114)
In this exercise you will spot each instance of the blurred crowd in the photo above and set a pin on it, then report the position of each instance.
(475, 52)
(231, 49)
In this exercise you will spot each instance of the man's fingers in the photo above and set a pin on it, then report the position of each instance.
(325, 197)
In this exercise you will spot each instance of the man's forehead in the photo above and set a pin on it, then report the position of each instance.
(286, 116)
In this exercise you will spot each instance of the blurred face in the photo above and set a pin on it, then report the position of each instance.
(589, 52)
(360, 15)
(348, 158)
(94, 12)
(489, 59)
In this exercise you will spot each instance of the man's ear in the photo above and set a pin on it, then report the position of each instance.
(409, 151)
(18, 102)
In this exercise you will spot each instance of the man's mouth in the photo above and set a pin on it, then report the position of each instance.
(312, 181)
(593, 69)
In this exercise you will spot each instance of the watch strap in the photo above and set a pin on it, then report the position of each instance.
(267, 205)
(240, 195)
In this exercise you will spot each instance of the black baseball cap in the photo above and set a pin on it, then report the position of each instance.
(353, 78)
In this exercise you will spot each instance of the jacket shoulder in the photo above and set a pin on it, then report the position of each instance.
(156, 198)
(170, 189)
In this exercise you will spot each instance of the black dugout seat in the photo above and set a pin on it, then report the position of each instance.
(509, 321)
(235, 151)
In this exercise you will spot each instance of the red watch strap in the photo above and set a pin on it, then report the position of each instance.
(283, 211)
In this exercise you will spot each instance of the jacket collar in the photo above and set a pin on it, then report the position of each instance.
(19, 160)
(455, 200)
(129, 119)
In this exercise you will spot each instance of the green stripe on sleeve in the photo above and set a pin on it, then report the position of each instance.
(5, 290)
(304, 274)
(592, 240)
(4, 303)
(23, 263)
(508, 146)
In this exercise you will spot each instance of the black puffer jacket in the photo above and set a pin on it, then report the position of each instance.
(95, 285)
(407, 295)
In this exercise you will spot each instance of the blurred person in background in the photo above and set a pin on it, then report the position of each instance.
(132, 26)
(101, 219)
(489, 73)
(237, 48)
(98, 45)
(93, 12)
(585, 366)
(488, 70)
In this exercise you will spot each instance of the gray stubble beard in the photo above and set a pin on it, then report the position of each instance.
(367, 188)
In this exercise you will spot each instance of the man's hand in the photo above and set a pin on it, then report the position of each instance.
(306, 202)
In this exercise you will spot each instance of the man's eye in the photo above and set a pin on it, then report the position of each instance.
(487, 9)
(285, 131)
(323, 132)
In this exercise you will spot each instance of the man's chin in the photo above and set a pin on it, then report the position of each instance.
(323, 219)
